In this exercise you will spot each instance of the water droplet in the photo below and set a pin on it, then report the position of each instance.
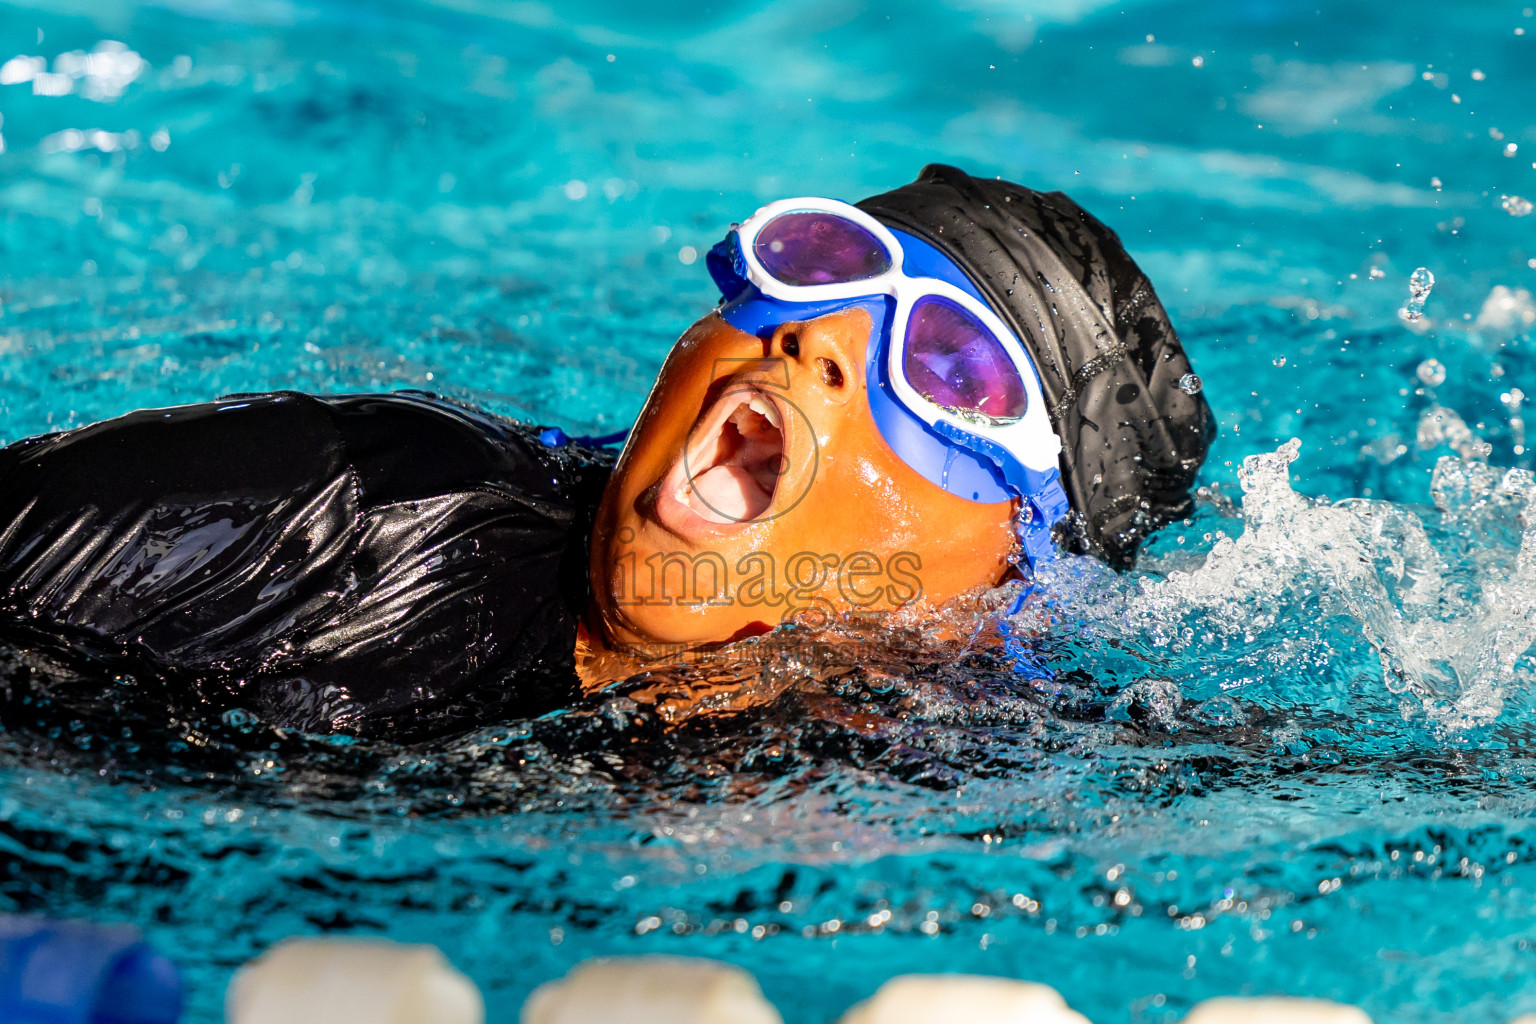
(1190, 384)
(1278, 360)
(1420, 283)
(1517, 206)
(1432, 372)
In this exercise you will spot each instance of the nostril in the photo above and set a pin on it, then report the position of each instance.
(831, 373)
(790, 344)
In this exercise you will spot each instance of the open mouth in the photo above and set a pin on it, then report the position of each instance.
(731, 467)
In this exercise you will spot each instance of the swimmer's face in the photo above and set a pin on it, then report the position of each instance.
(756, 486)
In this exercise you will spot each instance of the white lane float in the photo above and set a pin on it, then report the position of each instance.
(352, 981)
(651, 990)
(1275, 1010)
(946, 998)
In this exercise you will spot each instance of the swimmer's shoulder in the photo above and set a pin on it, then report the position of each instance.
(410, 444)
(395, 446)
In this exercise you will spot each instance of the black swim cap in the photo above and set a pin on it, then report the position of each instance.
(1110, 363)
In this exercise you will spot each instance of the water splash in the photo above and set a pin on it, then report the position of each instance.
(1505, 313)
(1513, 400)
(1420, 283)
(1431, 372)
(1442, 426)
(1516, 206)
(1449, 612)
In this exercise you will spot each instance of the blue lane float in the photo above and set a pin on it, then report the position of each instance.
(71, 972)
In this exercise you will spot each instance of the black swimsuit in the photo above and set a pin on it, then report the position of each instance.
(368, 564)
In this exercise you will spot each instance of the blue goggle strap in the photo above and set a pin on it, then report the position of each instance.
(554, 437)
(727, 267)
(1042, 504)
(1042, 501)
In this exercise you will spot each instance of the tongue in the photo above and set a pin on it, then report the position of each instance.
(728, 494)
(746, 458)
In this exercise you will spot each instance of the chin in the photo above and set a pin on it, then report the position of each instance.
(638, 619)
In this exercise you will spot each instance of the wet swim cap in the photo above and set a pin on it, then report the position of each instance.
(1112, 368)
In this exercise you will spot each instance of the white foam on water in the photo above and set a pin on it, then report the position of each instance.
(1505, 313)
(1446, 596)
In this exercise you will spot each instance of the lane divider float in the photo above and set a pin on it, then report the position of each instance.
(651, 990)
(352, 981)
(72, 972)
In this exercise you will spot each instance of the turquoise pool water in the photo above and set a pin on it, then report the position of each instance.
(1291, 753)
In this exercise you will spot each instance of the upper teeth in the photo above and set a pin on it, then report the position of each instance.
(766, 410)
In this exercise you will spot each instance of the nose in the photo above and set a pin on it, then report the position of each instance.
(826, 354)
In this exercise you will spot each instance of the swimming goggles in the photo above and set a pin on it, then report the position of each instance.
(953, 391)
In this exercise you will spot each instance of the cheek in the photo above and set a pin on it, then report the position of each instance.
(867, 499)
(878, 484)
(853, 505)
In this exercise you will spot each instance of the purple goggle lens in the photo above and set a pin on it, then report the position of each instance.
(955, 362)
(819, 248)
